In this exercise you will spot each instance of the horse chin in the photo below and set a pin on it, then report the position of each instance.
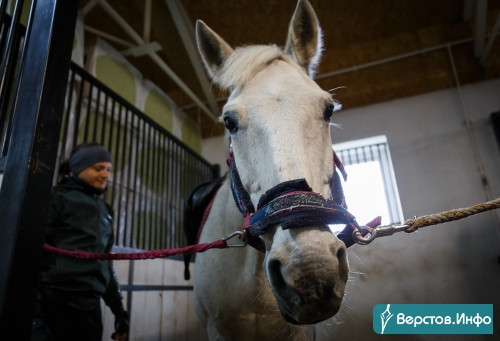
(305, 319)
(298, 312)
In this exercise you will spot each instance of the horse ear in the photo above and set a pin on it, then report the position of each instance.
(304, 42)
(212, 48)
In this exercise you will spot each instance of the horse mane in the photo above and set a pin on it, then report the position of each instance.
(247, 61)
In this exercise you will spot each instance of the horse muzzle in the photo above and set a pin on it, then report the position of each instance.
(309, 280)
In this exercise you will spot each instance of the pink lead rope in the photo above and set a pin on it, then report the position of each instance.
(219, 244)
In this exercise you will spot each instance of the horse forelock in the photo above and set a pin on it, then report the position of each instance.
(247, 61)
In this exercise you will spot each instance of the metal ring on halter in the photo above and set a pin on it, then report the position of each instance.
(376, 232)
(241, 236)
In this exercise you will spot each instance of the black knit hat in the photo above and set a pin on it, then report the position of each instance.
(86, 156)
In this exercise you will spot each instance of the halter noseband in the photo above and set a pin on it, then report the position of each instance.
(292, 204)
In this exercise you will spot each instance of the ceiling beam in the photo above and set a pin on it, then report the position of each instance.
(491, 39)
(141, 50)
(186, 32)
(88, 7)
(392, 59)
(480, 27)
(108, 36)
(121, 21)
(156, 58)
(482, 43)
(146, 28)
(468, 10)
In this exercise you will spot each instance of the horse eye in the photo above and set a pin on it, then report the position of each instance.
(328, 112)
(231, 124)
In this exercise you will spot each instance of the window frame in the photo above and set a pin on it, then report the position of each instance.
(375, 148)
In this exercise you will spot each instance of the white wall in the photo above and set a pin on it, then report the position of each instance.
(436, 170)
(215, 150)
(157, 315)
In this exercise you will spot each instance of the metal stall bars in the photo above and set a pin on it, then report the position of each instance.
(153, 171)
(34, 70)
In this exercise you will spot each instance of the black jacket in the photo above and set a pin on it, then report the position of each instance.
(80, 220)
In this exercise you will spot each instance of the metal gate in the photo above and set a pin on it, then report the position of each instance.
(35, 60)
(42, 117)
(153, 171)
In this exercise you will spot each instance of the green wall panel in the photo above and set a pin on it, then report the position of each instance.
(190, 135)
(158, 108)
(117, 76)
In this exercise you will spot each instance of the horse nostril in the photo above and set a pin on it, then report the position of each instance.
(342, 259)
(341, 254)
(275, 275)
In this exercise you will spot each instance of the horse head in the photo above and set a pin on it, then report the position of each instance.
(278, 119)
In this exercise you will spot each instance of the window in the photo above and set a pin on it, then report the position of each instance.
(370, 189)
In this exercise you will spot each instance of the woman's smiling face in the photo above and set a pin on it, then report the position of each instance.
(96, 175)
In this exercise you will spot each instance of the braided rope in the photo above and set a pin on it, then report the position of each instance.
(457, 214)
(413, 225)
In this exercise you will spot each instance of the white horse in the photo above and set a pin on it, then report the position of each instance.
(278, 119)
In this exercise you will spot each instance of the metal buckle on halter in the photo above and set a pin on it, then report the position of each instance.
(380, 231)
(241, 235)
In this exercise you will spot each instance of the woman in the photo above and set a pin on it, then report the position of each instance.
(80, 220)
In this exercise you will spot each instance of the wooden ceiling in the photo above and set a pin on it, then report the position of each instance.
(374, 51)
